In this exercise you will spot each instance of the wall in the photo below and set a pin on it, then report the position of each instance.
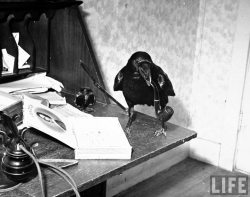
(212, 66)
(195, 42)
(220, 67)
(215, 45)
(237, 76)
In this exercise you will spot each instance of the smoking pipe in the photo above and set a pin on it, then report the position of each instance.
(162, 114)
(16, 164)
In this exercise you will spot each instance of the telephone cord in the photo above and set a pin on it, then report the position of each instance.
(57, 170)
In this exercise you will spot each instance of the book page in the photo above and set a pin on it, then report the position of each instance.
(99, 132)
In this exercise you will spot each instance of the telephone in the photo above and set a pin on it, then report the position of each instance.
(15, 164)
(19, 159)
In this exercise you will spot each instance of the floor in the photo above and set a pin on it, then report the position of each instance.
(189, 178)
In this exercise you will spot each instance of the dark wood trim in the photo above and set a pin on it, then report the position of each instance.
(35, 9)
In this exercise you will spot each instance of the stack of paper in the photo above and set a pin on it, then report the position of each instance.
(34, 84)
(91, 137)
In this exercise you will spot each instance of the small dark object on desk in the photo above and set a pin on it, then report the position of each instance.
(85, 98)
(144, 83)
(100, 87)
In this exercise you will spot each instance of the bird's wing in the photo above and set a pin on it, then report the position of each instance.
(164, 82)
(118, 85)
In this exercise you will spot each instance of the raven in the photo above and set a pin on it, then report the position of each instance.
(142, 82)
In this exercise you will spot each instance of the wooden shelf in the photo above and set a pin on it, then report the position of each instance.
(27, 19)
(35, 9)
(22, 73)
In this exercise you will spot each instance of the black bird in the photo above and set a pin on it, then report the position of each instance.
(144, 83)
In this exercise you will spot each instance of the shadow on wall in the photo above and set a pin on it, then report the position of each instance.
(181, 116)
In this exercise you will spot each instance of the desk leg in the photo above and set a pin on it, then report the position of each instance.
(98, 190)
(104, 188)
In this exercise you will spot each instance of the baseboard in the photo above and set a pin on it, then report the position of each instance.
(205, 151)
(146, 170)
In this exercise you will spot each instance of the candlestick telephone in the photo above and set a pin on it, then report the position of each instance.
(19, 159)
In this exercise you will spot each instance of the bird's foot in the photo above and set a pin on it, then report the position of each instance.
(160, 131)
(128, 131)
(126, 112)
(88, 110)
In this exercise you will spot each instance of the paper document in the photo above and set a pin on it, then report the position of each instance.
(53, 98)
(30, 84)
(23, 56)
(8, 62)
(48, 121)
(6, 100)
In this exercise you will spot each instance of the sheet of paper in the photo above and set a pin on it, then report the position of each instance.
(99, 131)
(23, 57)
(53, 98)
(8, 61)
(16, 37)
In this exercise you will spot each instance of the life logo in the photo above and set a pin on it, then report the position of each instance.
(229, 185)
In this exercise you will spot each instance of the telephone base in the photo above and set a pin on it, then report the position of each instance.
(5, 183)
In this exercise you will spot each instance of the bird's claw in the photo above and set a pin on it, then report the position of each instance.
(160, 131)
(126, 112)
(128, 131)
(88, 110)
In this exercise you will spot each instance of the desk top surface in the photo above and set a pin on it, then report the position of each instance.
(88, 173)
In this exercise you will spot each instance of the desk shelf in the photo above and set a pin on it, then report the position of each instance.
(32, 21)
(55, 35)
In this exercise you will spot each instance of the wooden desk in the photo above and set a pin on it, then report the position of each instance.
(94, 173)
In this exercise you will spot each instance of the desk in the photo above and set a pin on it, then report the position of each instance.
(94, 173)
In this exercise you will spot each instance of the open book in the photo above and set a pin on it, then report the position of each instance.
(91, 137)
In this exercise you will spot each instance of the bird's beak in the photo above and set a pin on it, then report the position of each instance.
(146, 74)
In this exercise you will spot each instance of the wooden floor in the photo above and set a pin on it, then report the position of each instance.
(189, 178)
